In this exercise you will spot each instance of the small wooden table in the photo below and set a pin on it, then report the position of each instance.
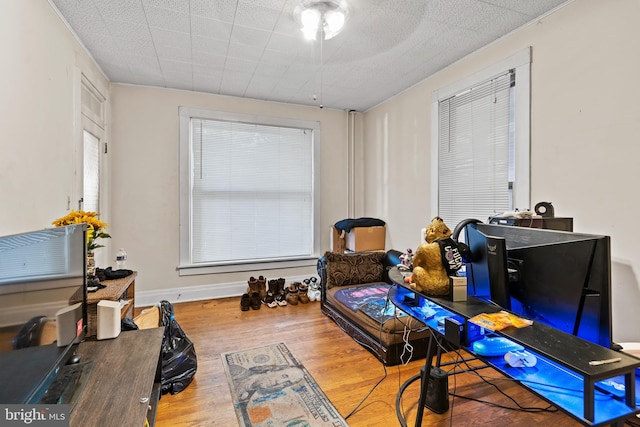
(115, 290)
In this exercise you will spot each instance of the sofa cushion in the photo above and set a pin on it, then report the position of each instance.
(353, 269)
(390, 331)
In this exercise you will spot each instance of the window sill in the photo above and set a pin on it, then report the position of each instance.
(197, 269)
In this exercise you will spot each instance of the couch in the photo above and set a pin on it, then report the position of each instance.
(354, 288)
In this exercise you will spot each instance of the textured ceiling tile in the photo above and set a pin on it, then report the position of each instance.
(386, 47)
(121, 10)
(168, 20)
(203, 71)
(250, 36)
(175, 39)
(530, 8)
(128, 30)
(209, 45)
(271, 71)
(287, 43)
(212, 28)
(244, 51)
(175, 67)
(214, 9)
(181, 6)
(277, 57)
(70, 8)
(174, 54)
(136, 47)
(209, 60)
(240, 65)
(143, 64)
(251, 15)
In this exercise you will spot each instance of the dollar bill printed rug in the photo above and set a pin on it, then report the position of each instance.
(270, 387)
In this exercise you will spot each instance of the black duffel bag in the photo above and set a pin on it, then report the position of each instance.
(179, 362)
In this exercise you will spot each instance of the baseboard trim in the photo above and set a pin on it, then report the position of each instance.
(196, 293)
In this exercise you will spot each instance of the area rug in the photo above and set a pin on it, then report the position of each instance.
(270, 387)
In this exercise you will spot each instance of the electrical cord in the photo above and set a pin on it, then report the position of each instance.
(368, 394)
(384, 365)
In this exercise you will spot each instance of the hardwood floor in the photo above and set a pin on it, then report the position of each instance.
(345, 371)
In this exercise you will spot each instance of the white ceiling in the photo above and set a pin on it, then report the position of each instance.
(255, 49)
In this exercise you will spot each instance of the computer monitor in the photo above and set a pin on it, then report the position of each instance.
(561, 279)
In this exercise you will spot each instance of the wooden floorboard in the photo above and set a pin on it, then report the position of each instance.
(346, 372)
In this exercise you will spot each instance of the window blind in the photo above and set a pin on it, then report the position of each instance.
(251, 191)
(475, 151)
(91, 173)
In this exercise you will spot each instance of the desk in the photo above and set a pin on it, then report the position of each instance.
(562, 359)
(123, 387)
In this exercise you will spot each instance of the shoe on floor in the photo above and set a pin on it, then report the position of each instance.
(245, 302)
(261, 287)
(292, 293)
(270, 300)
(314, 289)
(255, 301)
(303, 298)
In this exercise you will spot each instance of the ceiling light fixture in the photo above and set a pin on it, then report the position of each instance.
(321, 17)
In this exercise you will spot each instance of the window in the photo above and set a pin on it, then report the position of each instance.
(248, 192)
(481, 143)
(91, 172)
(93, 130)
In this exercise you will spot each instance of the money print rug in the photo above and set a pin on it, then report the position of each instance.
(270, 387)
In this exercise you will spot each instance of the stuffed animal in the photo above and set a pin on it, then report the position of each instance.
(406, 260)
(436, 260)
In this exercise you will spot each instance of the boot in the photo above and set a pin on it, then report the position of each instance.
(262, 287)
(270, 299)
(303, 297)
(253, 285)
(281, 297)
(292, 293)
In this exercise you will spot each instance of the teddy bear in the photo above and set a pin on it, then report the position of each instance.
(436, 260)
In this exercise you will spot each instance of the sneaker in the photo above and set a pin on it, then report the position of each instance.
(315, 285)
(314, 289)
(270, 300)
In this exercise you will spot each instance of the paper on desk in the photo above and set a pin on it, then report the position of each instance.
(499, 321)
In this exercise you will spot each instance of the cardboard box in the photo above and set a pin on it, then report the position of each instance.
(337, 243)
(366, 239)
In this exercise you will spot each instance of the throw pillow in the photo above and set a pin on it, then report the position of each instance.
(353, 269)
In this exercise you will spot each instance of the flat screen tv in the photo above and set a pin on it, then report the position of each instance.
(561, 279)
(39, 272)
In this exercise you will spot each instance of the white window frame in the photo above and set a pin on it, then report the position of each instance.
(521, 62)
(91, 120)
(185, 266)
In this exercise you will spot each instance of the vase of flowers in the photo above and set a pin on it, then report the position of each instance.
(95, 230)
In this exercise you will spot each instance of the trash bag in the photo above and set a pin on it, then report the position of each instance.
(179, 362)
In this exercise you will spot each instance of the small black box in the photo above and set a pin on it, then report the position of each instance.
(454, 330)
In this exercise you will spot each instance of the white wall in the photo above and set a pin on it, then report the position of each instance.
(584, 126)
(145, 200)
(584, 157)
(39, 107)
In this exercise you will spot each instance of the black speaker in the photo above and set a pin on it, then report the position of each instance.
(437, 391)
